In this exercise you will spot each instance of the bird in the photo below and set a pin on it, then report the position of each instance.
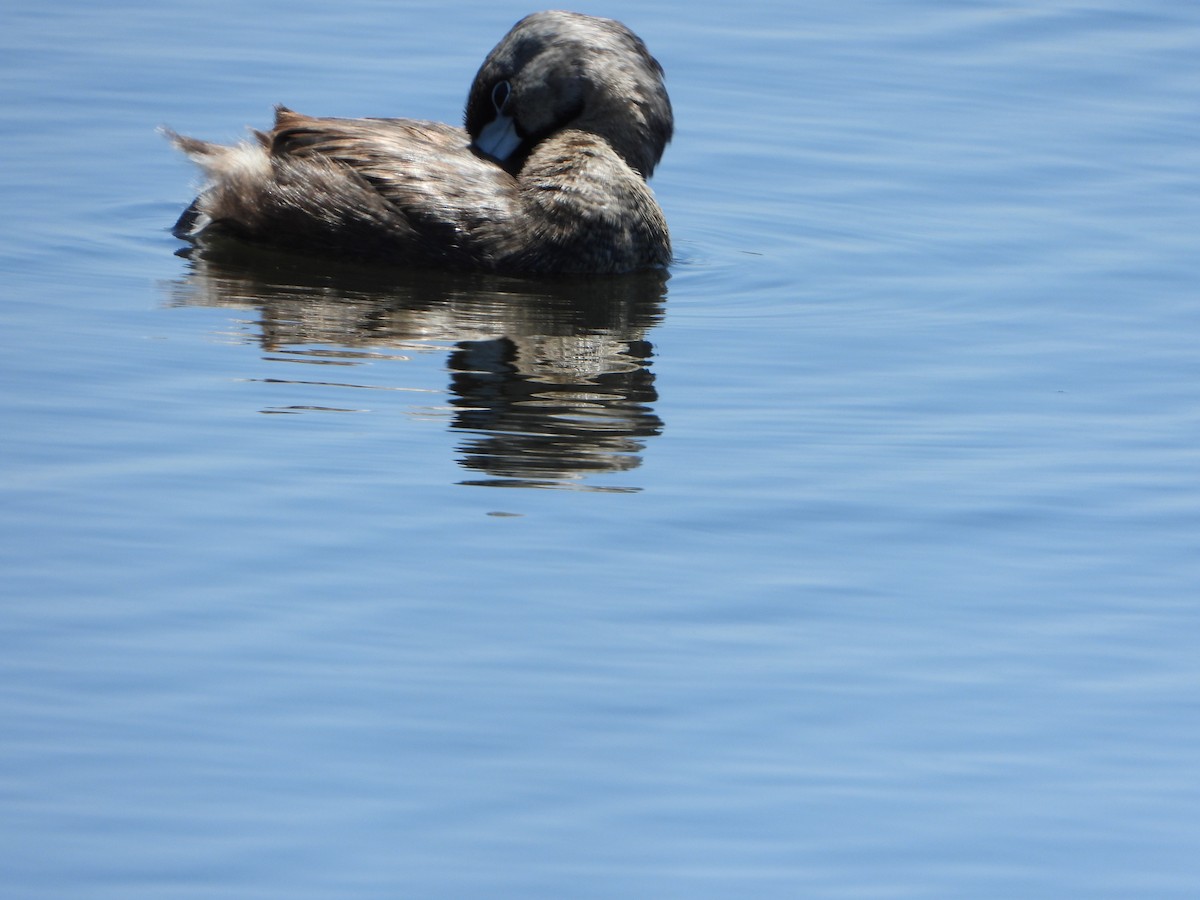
(566, 119)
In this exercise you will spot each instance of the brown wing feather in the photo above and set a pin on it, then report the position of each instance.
(411, 163)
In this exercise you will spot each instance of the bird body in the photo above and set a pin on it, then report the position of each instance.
(566, 119)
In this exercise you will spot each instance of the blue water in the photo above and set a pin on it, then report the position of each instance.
(859, 558)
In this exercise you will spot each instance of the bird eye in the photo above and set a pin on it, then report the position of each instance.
(500, 95)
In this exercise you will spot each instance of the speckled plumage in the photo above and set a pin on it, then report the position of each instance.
(590, 119)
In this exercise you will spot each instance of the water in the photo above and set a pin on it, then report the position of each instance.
(858, 558)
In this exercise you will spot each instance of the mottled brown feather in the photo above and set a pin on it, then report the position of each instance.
(590, 102)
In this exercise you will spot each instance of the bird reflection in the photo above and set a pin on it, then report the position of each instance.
(549, 380)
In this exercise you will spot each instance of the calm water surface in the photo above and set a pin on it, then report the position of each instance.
(858, 557)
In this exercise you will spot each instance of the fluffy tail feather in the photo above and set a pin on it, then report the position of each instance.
(193, 220)
(196, 149)
(227, 170)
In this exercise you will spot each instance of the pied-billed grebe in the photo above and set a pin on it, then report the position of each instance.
(566, 119)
